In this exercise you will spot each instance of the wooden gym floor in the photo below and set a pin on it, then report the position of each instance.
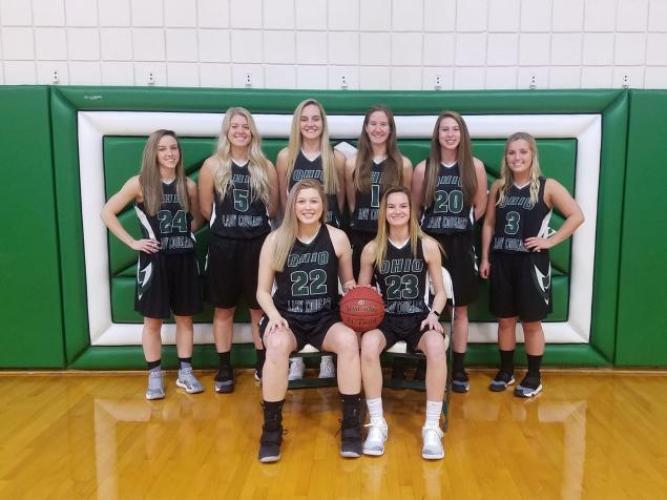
(80, 435)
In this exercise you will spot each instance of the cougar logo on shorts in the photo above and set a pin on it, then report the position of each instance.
(144, 278)
(543, 282)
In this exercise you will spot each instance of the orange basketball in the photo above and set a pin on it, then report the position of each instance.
(362, 309)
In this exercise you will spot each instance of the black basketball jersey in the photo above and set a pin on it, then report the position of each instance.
(367, 206)
(308, 284)
(517, 218)
(306, 169)
(448, 213)
(402, 280)
(238, 215)
(171, 226)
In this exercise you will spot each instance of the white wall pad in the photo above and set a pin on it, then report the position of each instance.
(93, 126)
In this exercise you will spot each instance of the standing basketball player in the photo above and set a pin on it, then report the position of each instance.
(306, 258)
(450, 187)
(377, 166)
(237, 197)
(167, 270)
(401, 257)
(515, 255)
(310, 156)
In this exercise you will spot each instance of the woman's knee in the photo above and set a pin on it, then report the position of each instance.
(434, 346)
(278, 344)
(371, 346)
(532, 327)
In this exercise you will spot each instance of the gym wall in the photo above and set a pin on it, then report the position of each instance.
(49, 284)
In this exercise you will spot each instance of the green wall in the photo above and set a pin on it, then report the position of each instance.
(42, 257)
(31, 335)
(642, 322)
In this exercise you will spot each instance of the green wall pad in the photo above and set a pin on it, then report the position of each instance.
(32, 322)
(576, 118)
(641, 318)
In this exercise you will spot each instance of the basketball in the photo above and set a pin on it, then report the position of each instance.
(362, 309)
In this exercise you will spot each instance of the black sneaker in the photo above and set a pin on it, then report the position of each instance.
(224, 380)
(350, 441)
(530, 386)
(501, 381)
(460, 382)
(269, 446)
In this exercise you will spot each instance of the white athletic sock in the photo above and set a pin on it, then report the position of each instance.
(375, 409)
(433, 411)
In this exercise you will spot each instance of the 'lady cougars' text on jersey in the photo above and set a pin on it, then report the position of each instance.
(518, 218)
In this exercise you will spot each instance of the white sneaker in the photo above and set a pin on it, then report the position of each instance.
(296, 369)
(432, 448)
(377, 435)
(327, 368)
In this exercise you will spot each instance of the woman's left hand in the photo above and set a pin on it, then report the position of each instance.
(431, 322)
(536, 244)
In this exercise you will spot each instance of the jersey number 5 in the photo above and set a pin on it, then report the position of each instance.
(241, 200)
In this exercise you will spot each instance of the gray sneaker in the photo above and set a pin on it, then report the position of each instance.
(187, 380)
(155, 388)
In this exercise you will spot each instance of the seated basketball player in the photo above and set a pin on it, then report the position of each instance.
(305, 258)
(400, 257)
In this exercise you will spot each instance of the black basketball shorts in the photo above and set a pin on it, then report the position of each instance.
(358, 240)
(521, 285)
(168, 283)
(461, 262)
(307, 328)
(231, 271)
(407, 327)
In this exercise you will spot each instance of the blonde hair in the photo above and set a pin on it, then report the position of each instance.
(330, 179)
(149, 174)
(392, 174)
(464, 159)
(382, 237)
(258, 164)
(286, 234)
(506, 179)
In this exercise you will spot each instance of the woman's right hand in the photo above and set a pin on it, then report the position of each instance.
(146, 245)
(485, 269)
(276, 323)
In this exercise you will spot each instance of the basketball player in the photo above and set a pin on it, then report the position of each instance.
(306, 258)
(401, 257)
(515, 254)
(377, 166)
(237, 197)
(167, 270)
(450, 187)
(310, 156)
